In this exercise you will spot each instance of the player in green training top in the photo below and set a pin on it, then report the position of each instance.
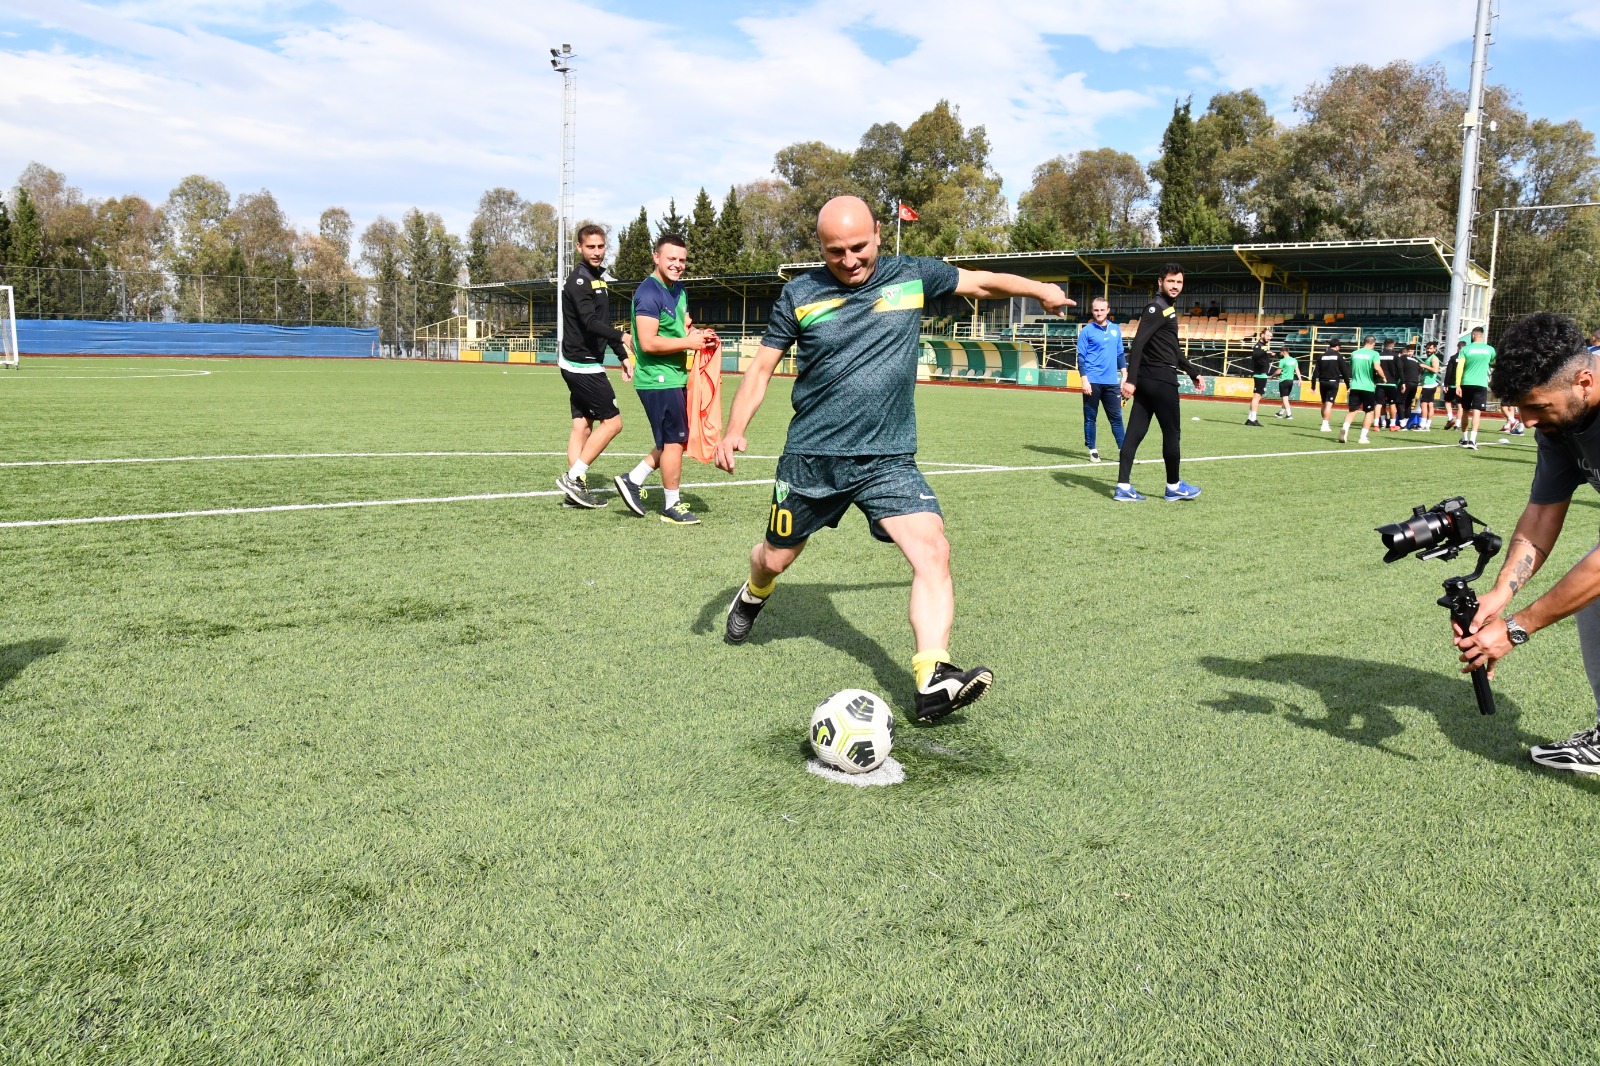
(1364, 364)
(1473, 367)
(854, 324)
(1288, 374)
(664, 344)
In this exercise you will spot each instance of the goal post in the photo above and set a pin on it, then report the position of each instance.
(8, 329)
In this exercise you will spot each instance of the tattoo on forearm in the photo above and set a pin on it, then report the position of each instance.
(1521, 571)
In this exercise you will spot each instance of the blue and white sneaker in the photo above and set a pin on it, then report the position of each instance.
(1126, 495)
(1184, 491)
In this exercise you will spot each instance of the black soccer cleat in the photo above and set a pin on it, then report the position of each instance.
(742, 615)
(949, 689)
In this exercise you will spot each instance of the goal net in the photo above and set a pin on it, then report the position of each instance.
(1546, 259)
(8, 328)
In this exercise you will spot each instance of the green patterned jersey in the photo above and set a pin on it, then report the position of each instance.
(855, 352)
(1288, 366)
(669, 306)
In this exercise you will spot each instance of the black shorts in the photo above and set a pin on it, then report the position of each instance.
(1452, 396)
(668, 412)
(592, 395)
(1328, 389)
(813, 491)
(1261, 386)
(1284, 389)
(1475, 397)
(1362, 400)
(1427, 393)
(1387, 393)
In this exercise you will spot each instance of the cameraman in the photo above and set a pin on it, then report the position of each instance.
(1546, 369)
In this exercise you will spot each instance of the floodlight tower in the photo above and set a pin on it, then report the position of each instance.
(1467, 195)
(561, 63)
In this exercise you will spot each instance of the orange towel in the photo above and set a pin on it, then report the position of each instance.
(705, 402)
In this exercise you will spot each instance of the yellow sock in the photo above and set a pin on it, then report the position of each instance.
(764, 592)
(923, 662)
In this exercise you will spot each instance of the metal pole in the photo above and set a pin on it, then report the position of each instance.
(561, 63)
(1471, 125)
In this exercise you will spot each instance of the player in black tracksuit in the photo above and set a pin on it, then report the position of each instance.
(1332, 368)
(1410, 383)
(587, 331)
(1261, 363)
(1152, 385)
(1389, 387)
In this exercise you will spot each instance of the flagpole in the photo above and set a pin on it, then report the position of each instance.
(897, 229)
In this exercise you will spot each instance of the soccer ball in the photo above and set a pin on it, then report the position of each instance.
(852, 731)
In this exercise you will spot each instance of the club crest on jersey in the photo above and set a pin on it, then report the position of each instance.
(905, 296)
(780, 490)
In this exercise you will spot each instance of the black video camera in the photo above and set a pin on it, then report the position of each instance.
(1444, 531)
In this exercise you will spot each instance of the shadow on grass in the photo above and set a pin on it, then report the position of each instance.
(1098, 486)
(15, 658)
(1360, 699)
(1043, 449)
(807, 610)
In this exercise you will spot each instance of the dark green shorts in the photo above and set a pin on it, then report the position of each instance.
(813, 491)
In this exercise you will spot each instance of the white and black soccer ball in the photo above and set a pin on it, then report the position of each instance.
(852, 731)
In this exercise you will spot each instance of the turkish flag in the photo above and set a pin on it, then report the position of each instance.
(906, 214)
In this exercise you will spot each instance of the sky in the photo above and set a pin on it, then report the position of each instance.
(380, 105)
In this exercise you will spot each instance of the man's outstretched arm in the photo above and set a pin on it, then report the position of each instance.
(987, 285)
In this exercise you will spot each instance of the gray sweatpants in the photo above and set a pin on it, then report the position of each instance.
(1588, 620)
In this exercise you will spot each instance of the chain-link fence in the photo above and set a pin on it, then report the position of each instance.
(397, 309)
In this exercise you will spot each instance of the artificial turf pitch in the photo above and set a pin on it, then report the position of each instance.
(479, 782)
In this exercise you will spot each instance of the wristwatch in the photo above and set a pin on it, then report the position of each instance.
(1518, 635)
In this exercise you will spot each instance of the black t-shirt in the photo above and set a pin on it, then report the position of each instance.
(1260, 361)
(1386, 360)
(1331, 366)
(1565, 461)
(1410, 369)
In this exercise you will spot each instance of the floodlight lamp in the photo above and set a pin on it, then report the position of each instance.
(566, 49)
(554, 52)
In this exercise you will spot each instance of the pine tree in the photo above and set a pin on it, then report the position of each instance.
(633, 261)
(1177, 175)
(730, 235)
(27, 252)
(702, 237)
(5, 234)
(671, 222)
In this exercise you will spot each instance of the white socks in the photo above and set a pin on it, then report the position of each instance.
(579, 469)
(639, 473)
(672, 497)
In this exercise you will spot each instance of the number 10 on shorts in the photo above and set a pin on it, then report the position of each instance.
(781, 522)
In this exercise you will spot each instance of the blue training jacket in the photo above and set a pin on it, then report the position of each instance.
(1100, 354)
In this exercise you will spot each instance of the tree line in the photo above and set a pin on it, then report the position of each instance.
(1374, 153)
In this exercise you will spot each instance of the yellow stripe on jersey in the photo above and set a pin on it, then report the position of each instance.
(811, 314)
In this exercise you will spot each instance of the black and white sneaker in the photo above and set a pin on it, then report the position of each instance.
(577, 490)
(1094, 455)
(633, 496)
(949, 689)
(742, 615)
(1463, 442)
(1579, 753)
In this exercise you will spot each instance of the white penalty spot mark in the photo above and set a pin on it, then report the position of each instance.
(890, 773)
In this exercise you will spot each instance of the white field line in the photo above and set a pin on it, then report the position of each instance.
(282, 507)
(330, 455)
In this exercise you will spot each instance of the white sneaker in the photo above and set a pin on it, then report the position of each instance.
(1326, 428)
(1579, 753)
(1094, 455)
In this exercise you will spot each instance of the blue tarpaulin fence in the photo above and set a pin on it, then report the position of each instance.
(78, 337)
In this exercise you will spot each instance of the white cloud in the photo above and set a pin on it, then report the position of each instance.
(383, 104)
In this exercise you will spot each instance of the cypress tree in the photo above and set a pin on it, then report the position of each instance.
(1177, 177)
(730, 235)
